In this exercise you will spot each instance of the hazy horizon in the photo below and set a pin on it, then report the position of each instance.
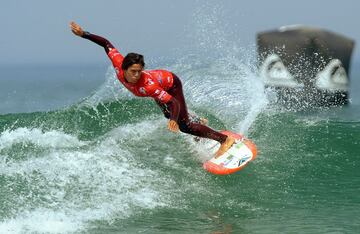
(37, 32)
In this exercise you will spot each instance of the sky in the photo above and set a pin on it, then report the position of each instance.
(37, 31)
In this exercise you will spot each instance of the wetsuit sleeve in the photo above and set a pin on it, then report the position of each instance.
(99, 40)
(170, 110)
(114, 55)
(164, 108)
(174, 107)
(164, 98)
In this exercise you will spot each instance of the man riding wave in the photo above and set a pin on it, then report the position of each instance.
(161, 85)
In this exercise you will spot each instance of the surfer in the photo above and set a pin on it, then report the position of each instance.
(162, 85)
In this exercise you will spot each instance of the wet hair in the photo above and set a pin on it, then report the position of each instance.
(131, 59)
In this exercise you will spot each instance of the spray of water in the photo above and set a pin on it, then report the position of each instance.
(220, 76)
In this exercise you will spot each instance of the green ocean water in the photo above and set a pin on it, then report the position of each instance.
(107, 163)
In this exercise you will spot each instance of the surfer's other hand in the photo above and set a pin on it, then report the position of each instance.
(76, 29)
(173, 126)
(204, 121)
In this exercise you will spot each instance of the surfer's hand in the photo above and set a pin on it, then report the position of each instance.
(76, 29)
(204, 121)
(173, 126)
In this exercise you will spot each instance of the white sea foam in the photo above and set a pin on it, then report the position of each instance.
(51, 139)
(99, 181)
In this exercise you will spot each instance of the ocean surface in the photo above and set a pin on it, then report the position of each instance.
(80, 154)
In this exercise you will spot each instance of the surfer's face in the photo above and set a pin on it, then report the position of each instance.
(133, 73)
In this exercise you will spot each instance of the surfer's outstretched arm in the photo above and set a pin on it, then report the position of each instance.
(78, 31)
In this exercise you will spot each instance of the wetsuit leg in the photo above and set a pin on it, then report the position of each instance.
(184, 122)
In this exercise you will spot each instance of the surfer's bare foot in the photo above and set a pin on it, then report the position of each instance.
(225, 146)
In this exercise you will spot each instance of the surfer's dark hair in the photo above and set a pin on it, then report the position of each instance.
(131, 59)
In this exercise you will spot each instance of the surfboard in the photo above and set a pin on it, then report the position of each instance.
(236, 158)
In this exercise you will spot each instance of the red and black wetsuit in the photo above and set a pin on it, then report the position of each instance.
(164, 86)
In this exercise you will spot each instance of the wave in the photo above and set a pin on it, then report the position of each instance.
(110, 158)
(72, 182)
(110, 155)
